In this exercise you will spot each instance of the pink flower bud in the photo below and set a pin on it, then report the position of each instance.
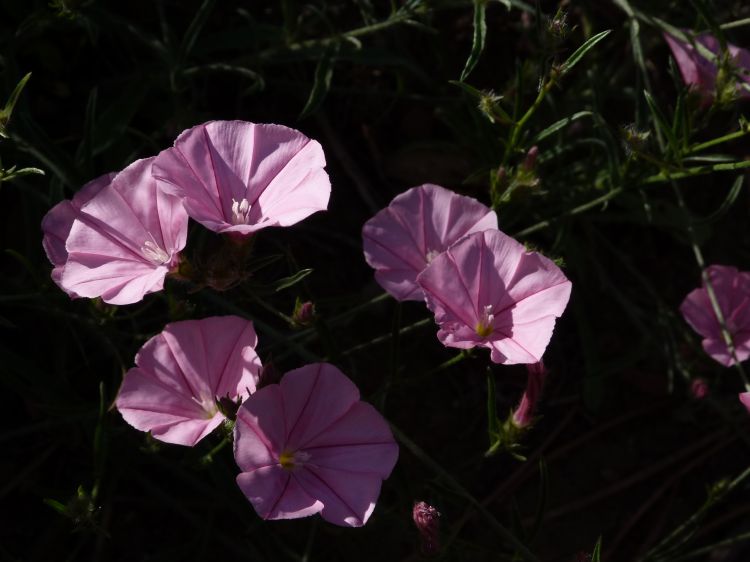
(530, 161)
(304, 314)
(523, 416)
(427, 520)
(699, 388)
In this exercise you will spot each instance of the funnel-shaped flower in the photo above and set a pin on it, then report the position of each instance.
(182, 372)
(400, 240)
(309, 445)
(732, 290)
(700, 71)
(125, 239)
(488, 290)
(57, 223)
(238, 177)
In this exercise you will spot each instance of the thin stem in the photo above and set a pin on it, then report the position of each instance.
(736, 23)
(208, 457)
(719, 140)
(459, 489)
(386, 337)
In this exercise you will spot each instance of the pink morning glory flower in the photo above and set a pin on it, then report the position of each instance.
(125, 239)
(309, 445)
(181, 373)
(699, 71)
(732, 290)
(488, 290)
(238, 177)
(418, 225)
(57, 223)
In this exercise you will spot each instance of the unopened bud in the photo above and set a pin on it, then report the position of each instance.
(427, 520)
(529, 162)
(303, 315)
(699, 388)
(228, 407)
(745, 399)
(523, 416)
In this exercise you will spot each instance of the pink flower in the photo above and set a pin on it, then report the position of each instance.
(523, 416)
(699, 71)
(488, 290)
(699, 388)
(309, 445)
(745, 399)
(57, 223)
(181, 373)
(418, 225)
(238, 177)
(125, 239)
(732, 290)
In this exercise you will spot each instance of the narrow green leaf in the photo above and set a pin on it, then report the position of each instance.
(596, 555)
(480, 34)
(725, 205)
(507, 3)
(193, 31)
(322, 83)
(581, 51)
(661, 124)
(13, 99)
(287, 282)
(561, 124)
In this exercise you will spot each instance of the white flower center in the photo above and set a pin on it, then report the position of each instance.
(240, 211)
(153, 252)
(431, 255)
(485, 325)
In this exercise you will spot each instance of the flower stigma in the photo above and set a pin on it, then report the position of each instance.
(240, 211)
(485, 325)
(431, 255)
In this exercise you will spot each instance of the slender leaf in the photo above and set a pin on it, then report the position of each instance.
(731, 197)
(581, 51)
(480, 35)
(7, 111)
(287, 282)
(661, 124)
(196, 26)
(322, 83)
(596, 555)
(561, 124)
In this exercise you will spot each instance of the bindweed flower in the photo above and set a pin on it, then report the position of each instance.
(427, 520)
(523, 416)
(745, 400)
(237, 177)
(57, 223)
(419, 224)
(707, 75)
(309, 445)
(124, 240)
(183, 373)
(732, 290)
(488, 290)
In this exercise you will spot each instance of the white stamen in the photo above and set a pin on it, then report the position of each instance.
(485, 325)
(153, 252)
(431, 255)
(240, 211)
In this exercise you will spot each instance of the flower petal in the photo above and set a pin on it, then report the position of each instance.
(276, 494)
(400, 240)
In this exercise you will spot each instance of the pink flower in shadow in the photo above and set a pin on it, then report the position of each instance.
(732, 290)
(402, 239)
(488, 290)
(309, 445)
(57, 223)
(125, 239)
(182, 372)
(699, 71)
(238, 177)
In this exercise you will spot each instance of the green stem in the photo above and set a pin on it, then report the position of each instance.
(460, 490)
(208, 457)
(713, 547)
(386, 337)
(719, 140)
(518, 127)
